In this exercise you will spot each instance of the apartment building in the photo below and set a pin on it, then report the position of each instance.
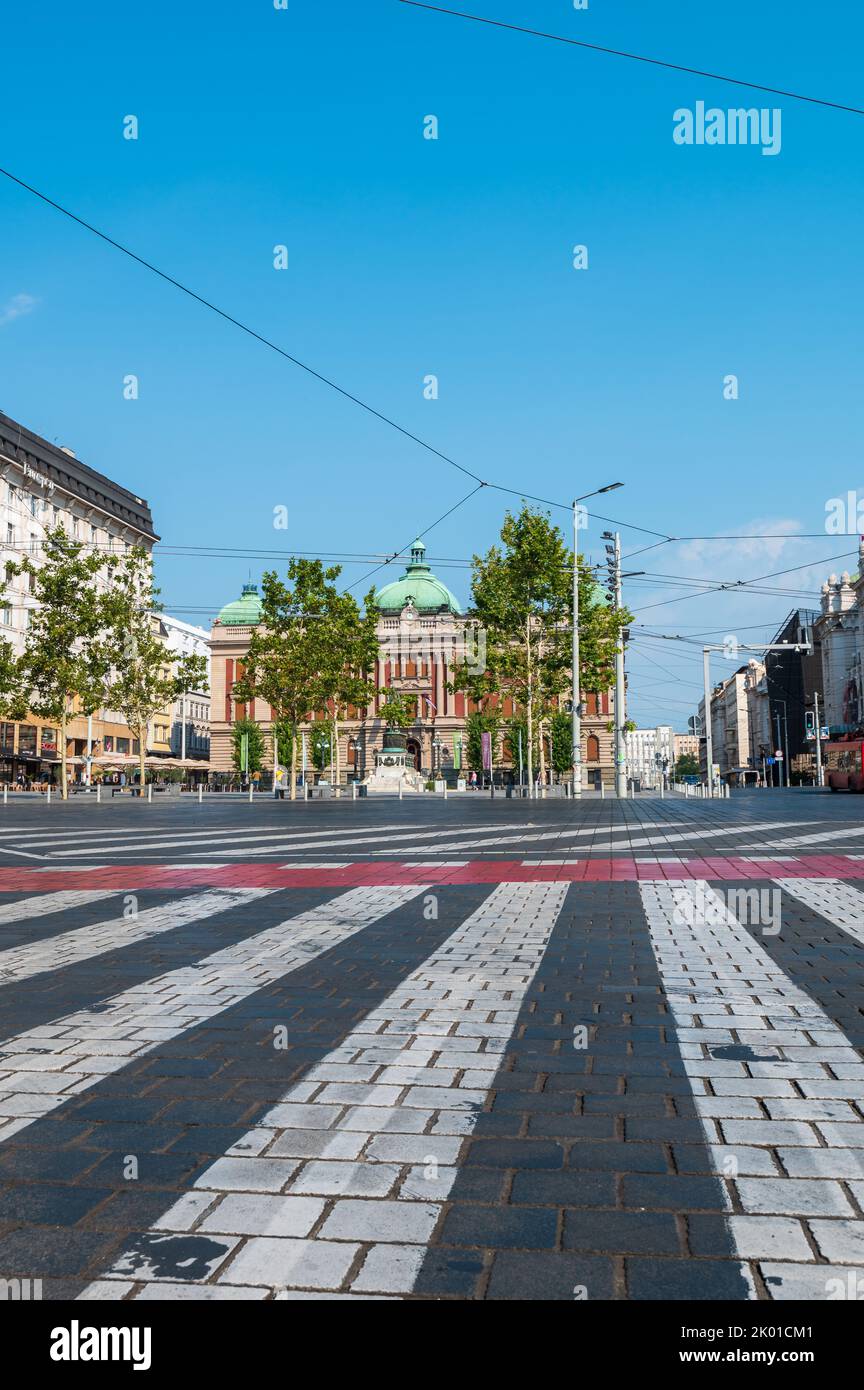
(43, 485)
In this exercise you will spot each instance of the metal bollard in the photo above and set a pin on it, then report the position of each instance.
(98, 792)
(200, 795)
(400, 791)
(251, 789)
(48, 790)
(353, 791)
(149, 793)
(5, 795)
(445, 790)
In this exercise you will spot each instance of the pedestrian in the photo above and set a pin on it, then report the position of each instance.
(473, 780)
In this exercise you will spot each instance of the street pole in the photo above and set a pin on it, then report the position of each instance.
(183, 727)
(779, 749)
(576, 684)
(786, 742)
(89, 749)
(709, 741)
(620, 698)
(818, 743)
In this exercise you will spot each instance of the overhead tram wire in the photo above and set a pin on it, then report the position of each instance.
(634, 57)
(418, 536)
(289, 357)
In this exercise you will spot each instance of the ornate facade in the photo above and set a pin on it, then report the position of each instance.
(423, 634)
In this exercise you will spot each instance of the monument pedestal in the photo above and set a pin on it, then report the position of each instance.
(394, 768)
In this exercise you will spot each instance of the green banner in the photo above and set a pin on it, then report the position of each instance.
(457, 751)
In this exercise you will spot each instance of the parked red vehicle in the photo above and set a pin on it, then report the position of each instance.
(844, 766)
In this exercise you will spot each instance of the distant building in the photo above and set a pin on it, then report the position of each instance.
(650, 754)
(792, 679)
(685, 745)
(190, 716)
(839, 630)
(423, 633)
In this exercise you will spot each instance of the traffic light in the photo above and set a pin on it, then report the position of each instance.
(809, 723)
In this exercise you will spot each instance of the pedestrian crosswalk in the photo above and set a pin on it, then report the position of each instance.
(277, 839)
(409, 1090)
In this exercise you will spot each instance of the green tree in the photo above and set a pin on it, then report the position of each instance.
(522, 601)
(561, 741)
(522, 598)
(687, 766)
(283, 732)
(399, 711)
(351, 648)
(146, 676)
(289, 650)
(476, 725)
(254, 759)
(64, 668)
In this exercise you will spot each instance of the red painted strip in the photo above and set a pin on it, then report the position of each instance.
(618, 870)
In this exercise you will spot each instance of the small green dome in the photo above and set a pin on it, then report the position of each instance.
(244, 611)
(419, 586)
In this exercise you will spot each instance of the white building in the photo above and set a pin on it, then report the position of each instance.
(190, 727)
(649, 752)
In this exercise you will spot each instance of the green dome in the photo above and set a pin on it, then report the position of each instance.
(418, 585)
(244, 611)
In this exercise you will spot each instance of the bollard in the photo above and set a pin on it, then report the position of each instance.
(445, 790)
(353, 791)
(48, 790)
(200, 795)
(98, 792)
(251, 788)
(150, 793)
(5, 795)
(400, 791)
(602, 788)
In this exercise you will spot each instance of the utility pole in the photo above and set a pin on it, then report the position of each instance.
(709, 737)
(576, 681)
(780, 750)
(818, 742)
(620, 698)
(613, 560)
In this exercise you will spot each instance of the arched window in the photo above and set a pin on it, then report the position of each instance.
(593, 752)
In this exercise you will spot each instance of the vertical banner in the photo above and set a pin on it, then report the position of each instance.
(486, 744)
(457, 752)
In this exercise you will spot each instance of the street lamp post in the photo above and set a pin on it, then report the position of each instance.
(576, 684)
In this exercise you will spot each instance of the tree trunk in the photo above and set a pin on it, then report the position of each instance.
(142, 753)
(64, 783)
(294, 764)
(542, 768)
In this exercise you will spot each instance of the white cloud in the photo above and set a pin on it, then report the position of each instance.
(17, 307)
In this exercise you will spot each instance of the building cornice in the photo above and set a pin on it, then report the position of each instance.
(53, 469)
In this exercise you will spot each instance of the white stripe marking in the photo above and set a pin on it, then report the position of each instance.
(47, 903)
(723, 985)
(405, 1087)
(81, 1048)
(83, 943)
(833, 899)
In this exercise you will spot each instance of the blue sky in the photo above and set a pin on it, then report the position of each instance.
(408, 257)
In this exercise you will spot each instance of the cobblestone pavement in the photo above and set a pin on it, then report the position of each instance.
(390, 1070)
